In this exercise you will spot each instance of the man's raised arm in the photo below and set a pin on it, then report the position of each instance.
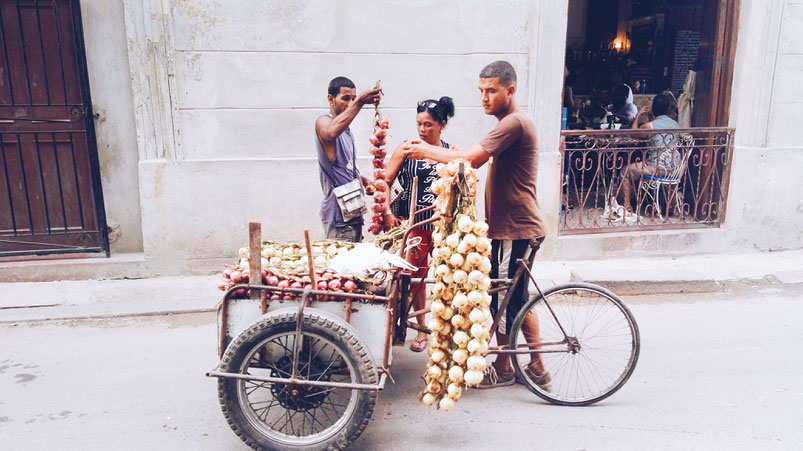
(420, 150)
(329, 129)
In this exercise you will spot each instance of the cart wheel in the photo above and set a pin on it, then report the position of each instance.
(595, 361)
(283, 417)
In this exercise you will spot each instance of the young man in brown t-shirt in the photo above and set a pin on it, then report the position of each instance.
(511, 206)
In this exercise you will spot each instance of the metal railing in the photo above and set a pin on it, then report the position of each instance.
(627, 180)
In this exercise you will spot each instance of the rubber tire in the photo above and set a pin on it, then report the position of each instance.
(341, 334)
(520, 375)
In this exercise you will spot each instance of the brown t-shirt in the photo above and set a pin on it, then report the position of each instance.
(511, 207)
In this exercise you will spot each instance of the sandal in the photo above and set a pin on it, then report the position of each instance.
(419, 344)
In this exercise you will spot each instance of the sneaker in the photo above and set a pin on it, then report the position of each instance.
(542, 379)
(631, 218)
(494, 378)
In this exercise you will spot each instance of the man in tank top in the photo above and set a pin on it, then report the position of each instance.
(337, 156)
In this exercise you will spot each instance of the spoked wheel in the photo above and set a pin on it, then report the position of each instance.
(592, 360)
(285, 416)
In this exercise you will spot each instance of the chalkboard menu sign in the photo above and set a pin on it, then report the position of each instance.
(687, 48)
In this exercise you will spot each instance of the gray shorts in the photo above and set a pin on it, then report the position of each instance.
(351, 233)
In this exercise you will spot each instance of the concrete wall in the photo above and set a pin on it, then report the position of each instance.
(243, 86)
(110, 87)
(225, 99)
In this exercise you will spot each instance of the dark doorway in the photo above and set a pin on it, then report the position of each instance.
(655, 46)
(51, 200)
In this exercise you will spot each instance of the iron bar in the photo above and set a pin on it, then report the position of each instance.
(302, 382)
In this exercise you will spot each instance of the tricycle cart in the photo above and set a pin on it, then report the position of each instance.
(306, 373)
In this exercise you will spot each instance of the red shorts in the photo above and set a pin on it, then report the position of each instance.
(419, 256)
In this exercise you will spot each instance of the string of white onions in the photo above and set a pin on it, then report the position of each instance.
(461, 303)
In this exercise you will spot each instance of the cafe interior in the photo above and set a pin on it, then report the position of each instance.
(621, 53)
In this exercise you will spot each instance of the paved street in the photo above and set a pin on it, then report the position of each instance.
(717, 371)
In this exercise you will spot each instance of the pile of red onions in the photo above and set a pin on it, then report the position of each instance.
(379, 188)
(326, 281)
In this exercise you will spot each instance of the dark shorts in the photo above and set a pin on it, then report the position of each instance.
(351, 233)
(504, 257)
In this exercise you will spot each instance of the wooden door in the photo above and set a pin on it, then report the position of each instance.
(715, 67)
(50, 192)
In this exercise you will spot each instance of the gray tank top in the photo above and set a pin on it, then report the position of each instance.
(336, 173)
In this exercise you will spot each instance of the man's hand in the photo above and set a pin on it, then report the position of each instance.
(415, 149)
(365, 181)
(370, 96)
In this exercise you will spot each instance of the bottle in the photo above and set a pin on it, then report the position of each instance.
(563, 120)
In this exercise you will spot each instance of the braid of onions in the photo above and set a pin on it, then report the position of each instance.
(461, 304)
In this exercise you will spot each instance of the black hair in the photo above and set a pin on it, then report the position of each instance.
(440, 110)
(337, 83)
(502, 70)
(661, 104)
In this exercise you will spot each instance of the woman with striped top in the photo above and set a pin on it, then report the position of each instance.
(431, 118)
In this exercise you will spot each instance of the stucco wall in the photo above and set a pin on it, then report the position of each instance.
(110, 88)
(225, 99)
(246, 84)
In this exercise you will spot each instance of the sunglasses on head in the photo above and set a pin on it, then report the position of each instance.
(431, 104)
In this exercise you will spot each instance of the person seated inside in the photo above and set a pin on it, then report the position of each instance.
(622, 106)
(661, 159)
(593, 113)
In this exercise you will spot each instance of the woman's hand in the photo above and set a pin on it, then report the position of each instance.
(391, 221)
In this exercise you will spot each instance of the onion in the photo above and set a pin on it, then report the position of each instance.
(435, 324)
(428, 399)
(227, 273)
(485, 265)
(438, 356)
(460, 356)
(323, 285)
(437, 237)
(442, 270)
(275, 261)
(456, 260)
(458, 320)
(460, 276)
(375, 228)
(381, 185)
(223, 285)
(434, 372)
(378, 208)
(441, 169)
(448, 279)
(273, 281)
(474, 259)
(475, 297)
(349, 285)
(453, 240)
(459, 301)
(446, 404)
(438, 288)
(287, 297)
(460, 338)
(437, 307)
(380, 132)
(284, 283)
(296, 285)
(476, 316)
(379, 163)
(462, 247)
(236, 275)
(331, 250)
(480, 228)
(472, 377)
(243, 252)
(470, 240)
(482, 244)
(379, 174)
(453, 390)
(445, 253)
(434, 387)
(475, 277)
(476, 363)
(483, 346)
(456, 373)
(476, 330)
(473, 346)
(373, 140)
(380, 197)
(447, 313)
(465, 224)
(275, 297)
(334, 284)
(485, 284)
(384, 123)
